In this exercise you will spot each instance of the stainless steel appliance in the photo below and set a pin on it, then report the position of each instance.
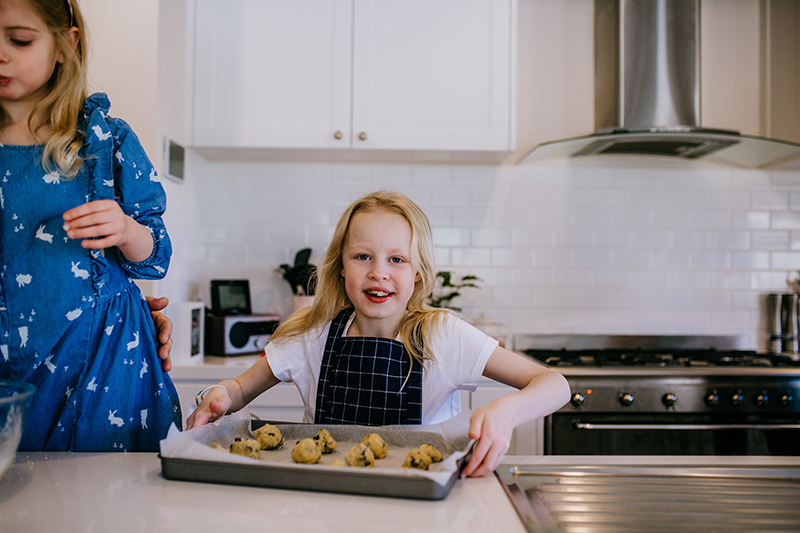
(595, 498)
(669, 395)
(782, 317)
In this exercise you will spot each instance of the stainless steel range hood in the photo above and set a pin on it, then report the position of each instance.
(647, 83)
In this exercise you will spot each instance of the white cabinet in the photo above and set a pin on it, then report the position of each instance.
(528, 438)
(364, 74)
(281, 403)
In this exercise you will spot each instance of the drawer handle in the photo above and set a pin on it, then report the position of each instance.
(362, 136)
(338, 135)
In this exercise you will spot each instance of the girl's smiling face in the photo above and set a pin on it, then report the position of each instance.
(378, 275)
(28, 53)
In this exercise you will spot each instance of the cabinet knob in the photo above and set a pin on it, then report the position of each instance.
(362, 136)
(338, 135)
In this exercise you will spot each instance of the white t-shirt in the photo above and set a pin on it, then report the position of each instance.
(461, 352)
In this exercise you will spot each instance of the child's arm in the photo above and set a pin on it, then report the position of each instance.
(542, 391)
(105, 219)
(237, 393)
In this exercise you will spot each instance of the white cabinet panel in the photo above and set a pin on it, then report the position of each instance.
(281, 403)
(272, 73)
(432, 75)
(528, 438)
(364, 74)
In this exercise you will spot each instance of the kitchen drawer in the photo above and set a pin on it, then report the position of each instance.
(281, 403)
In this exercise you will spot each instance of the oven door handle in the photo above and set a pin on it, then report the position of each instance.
(680, 427)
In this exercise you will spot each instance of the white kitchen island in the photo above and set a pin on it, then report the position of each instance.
(125, 492)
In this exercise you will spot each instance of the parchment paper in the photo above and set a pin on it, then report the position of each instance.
(450, 438)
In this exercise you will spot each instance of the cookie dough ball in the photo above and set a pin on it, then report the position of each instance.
(376, 443)
(337, 462)
(433, 453)
(218, 446)
(306, 451)
(325, 441)
(269, 437)
(246, 447)
(416, 458)
(360, 455)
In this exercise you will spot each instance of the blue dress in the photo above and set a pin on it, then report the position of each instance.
(72, 322)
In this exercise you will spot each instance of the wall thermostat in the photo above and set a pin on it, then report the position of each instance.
(174, 160)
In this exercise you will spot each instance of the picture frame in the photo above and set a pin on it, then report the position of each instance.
(174, 160)
(189, 334)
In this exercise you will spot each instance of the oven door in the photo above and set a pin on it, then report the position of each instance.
(670, 434)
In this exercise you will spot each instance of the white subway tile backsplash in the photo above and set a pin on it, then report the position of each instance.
(561, 249)
(452, 196)
(786, 179)
(492, 237)
(730, 280)
(671, 259)
(574, 238)
(593, 258)
(786, 260)
(770, 240)
(512, 257)
(769, 281)
(631, 258)
(769, 201)
(750, 260)
(711, 300)
(471, 257)
(750, 220)
(786, 220)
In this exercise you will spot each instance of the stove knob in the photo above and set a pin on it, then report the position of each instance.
(761, 399)
(669, 399)
(577, 399)
(626, 398)
(737, 398)
(786, 399)
(712, 398)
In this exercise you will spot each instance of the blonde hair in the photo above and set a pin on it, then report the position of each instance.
(331, 296)
(58, 111)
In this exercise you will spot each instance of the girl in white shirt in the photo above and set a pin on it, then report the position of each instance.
(370, 351)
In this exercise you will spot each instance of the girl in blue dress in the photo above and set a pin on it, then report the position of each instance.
(80, 216)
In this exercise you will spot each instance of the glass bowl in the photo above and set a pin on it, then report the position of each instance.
(14, 397)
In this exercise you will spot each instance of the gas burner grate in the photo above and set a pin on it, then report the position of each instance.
(659, 358)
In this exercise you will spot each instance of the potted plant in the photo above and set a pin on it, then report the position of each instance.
(447, 288)
(302, 278)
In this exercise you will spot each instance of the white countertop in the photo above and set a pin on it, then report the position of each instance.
(125, 492)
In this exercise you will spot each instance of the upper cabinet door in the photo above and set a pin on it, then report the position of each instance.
(434, 74)
(273, 73)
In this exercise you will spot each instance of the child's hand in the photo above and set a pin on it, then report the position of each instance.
(101, 218)
(492, 426)
(102, 224)
(210, 410)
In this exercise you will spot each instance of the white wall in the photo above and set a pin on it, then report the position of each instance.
(563, 249)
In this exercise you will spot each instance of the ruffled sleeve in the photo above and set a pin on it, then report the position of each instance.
(122, 169)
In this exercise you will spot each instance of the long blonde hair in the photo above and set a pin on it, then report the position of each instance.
(420, 319)
(58, 111)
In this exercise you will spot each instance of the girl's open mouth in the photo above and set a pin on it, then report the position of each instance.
(378, 296)
(4, 80)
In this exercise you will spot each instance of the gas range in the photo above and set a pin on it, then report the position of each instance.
(669, 395)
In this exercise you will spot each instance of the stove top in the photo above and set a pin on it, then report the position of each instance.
(668, 358)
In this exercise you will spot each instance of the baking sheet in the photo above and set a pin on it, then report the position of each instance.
(188, 456)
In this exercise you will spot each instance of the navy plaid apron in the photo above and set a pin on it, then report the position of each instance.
(360, 381)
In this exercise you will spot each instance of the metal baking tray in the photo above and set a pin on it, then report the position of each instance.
(346, 480)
